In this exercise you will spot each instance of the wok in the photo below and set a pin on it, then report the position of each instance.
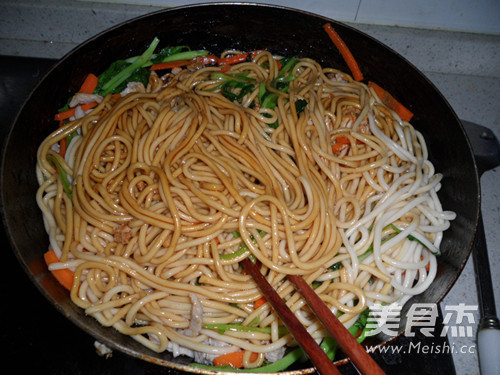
(217, 27)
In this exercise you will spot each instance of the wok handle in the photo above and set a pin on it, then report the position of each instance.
(485, 294)
(488, 336)
(487, 154)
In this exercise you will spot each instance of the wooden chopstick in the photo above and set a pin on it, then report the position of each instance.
(305, 340)
(358, 355)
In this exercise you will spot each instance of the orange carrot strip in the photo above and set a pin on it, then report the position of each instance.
(224, 68)
(233, 359)
(65, 114)
(62, 147)
(171, 64)
(90, 84)
(203, 60)
(71, 112)
(235, 59)
(208, 60)
(258, 303)
(343, 140)
(344, 51)
(338, 147)
(428, 266)
(358, 333)
(391, 102)
(87, 106)
(64, 276)
(340, 144)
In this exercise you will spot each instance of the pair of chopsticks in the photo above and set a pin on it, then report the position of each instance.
(361, 359)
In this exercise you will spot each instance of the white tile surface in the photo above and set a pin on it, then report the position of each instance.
(441, 51)
(60, 21)
(459, 15)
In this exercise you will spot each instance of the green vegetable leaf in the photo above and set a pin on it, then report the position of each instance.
(139, 75)
(115, 68)
(121, 71)
(234, 90)
(287, 64)
(335, 266)
(234, 87)
(300, 106)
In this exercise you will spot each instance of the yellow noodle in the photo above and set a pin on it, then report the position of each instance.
(171, 185)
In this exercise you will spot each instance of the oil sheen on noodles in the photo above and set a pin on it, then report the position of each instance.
(172, 187)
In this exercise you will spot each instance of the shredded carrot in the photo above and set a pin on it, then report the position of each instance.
(258, 303)
(171, 64)
(71, 112)
(391, 102)
(62, 147)
(340, 144)
(65, 114)
(344, 51)
(234, 59)
(203, 60)
(428, 266)
(224, 68)
(338, 147)
(238, 58)
(343, 140)
(234, 359)
(87, 106)
(208, 60)
(64, 276)
(90, 84)
(358, 333)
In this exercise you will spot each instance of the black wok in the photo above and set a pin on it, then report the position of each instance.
(217, 27)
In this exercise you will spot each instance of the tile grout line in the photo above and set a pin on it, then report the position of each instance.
(357, 11)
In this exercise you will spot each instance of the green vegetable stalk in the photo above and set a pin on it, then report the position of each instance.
(243, 248)
(280, 365)
(328, 345)
(62, 175)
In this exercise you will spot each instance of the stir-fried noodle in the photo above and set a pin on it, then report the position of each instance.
(172, 187)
